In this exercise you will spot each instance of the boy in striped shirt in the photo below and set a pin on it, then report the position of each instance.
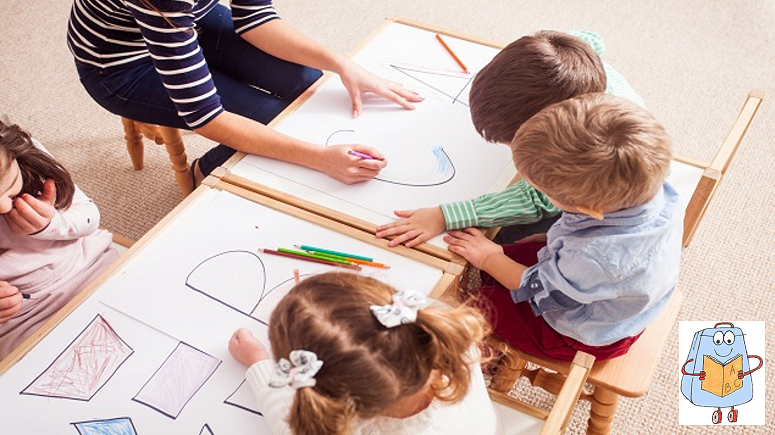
(525, 77)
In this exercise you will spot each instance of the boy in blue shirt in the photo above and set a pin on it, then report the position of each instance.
(608, 266)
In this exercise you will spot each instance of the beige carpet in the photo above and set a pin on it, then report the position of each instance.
(693, 62)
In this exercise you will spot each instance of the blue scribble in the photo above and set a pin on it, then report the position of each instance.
(114, 426)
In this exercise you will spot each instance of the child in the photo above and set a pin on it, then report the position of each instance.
(365, 360)
(50, 244)
(610, 263)
(526, 76)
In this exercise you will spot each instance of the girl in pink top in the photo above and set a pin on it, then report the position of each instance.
(50, 242)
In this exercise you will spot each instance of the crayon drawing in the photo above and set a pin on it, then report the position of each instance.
(243, 398)
(84, 366)
(183, 373)
(113, 426)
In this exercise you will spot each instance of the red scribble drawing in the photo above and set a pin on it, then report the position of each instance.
(183, 373)
(84, 366)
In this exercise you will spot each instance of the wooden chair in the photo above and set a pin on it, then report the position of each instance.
(134, 131)
(630, 375)
(517, 417)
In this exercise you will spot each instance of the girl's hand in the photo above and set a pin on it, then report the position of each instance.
(472, 245)
(359, 81)
(246, 349)
(337, 163)
(32, 215)
(10, 301)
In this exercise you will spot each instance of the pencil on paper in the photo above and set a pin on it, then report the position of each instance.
(350, 259)
(314, 255)
(27, 296)
(452, 53)
(328, 251)
(311, 259)
(296, 277)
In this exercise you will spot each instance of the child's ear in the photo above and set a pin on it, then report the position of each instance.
(594, 212)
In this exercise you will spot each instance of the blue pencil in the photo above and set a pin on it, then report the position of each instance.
(328, 251)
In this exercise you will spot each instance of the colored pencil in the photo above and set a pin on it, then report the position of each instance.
(452, 53)
(296, 277)
(361, 155)
(328, 251)
(26, 296)
(311, 259)
(350, 259)
(313, 255)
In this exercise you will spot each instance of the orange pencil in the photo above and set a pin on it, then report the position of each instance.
(296, 275)
(452, 53)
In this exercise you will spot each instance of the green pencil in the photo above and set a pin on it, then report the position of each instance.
(336, 253)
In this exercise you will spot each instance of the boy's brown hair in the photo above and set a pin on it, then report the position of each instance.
(367, 367)
(594, 150)
(35, 165)
(528, 75)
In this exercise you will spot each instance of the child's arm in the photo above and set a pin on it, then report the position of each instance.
(520, 204)
(486, 255)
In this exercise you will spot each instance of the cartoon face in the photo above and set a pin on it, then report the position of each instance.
(725, 343)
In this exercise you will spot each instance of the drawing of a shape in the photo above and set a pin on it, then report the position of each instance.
(408, 167)
(243, 398)
(84, 366)
(241, 290)
(183, 373)
(206, 430)
(113, 426)
(271, 298)
(451, 84)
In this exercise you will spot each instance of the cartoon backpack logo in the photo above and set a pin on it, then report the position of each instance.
(716, 372)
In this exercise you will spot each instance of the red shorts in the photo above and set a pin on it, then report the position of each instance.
(521, 328)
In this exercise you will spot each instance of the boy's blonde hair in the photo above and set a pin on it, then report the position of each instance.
(367, 367)
(595, 150)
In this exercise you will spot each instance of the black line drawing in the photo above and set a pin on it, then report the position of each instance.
(245, 290)
(439, 168)
(243, 398)
(452, 85)
(173, 384)
(206, 430)
(112, 426)
(85, 365)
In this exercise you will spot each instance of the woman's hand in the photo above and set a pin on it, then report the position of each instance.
(338, 163)
(359, 81)
(246, 349)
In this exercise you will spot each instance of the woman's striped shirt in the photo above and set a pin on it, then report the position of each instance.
(111, 34)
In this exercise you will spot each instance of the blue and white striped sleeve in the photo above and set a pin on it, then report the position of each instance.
(178, 59)
(249, 14)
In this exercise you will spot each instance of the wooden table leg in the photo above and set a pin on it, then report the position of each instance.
(601, 416)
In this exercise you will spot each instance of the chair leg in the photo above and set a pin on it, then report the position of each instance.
(601, 415)
(177, 152)
(507, 371)
(134, 143)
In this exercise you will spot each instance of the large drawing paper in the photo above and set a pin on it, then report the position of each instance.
(434, 154)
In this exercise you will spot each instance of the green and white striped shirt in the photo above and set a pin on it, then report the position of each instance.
(520, 203)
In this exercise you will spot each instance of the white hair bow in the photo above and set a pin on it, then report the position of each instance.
(402, 310)
(299, 372)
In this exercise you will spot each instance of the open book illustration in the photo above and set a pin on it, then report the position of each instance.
(721, 378)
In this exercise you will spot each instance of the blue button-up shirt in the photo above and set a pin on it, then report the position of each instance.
(598, 281)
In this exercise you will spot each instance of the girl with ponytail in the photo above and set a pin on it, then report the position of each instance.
(355, 356)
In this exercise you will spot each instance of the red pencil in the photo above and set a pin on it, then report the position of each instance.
(452, 53)
(314, 260)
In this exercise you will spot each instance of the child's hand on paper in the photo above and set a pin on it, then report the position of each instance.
(415, 227)
(472, 245)
(337, 163)
(32, 215)
(246, 349)
(359, 81)
(10, 301)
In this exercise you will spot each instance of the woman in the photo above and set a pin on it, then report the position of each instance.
(222, 72)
